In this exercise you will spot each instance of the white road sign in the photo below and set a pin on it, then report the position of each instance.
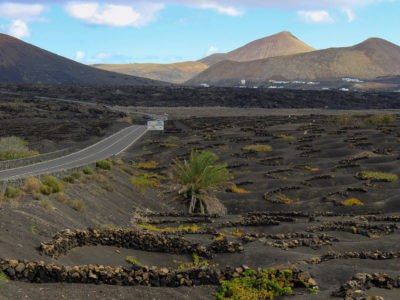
(155, 125)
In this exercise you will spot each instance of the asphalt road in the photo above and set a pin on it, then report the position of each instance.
(106, 148)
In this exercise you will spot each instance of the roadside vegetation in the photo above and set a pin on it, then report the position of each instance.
(51, 185)
(14, 148)
(196, 180)
(104, 165)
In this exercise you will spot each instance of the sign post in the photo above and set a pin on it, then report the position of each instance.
(155, 125)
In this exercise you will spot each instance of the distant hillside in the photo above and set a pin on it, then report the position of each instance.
(367, 60)
(174, 73)
(283, 43)
(21, 62)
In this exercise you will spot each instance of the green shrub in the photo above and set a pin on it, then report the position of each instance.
(142, 183)
(76, 175)
(379, 120)
(88, 170)
(55, 185)
(68, 179)
(266, 284)
(104, 165)
(12, 192)
(379, 176)
(45, 189)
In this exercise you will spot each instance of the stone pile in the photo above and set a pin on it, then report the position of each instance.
(354, 289)
(365, 229)
(376, 255)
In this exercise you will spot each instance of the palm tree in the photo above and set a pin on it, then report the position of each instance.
(196, 181)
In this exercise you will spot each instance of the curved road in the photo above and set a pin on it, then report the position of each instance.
(106, 148)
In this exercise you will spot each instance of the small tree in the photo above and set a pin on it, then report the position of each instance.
(196, 181)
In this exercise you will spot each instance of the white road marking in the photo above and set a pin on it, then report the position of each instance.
(59, 167)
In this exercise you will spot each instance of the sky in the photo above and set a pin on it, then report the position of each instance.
(167, 31)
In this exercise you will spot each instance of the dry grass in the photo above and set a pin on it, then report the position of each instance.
(285, 199)
(104, 182)
(257, 148)
(77, 205)
(142, 183)
(146, 165)
(127, 170)
(31, 185)
(46, 204)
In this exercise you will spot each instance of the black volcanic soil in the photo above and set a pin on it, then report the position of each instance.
(313, 162)
(174, 96)
(51, 125)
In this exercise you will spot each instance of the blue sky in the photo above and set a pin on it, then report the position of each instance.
(164, 31)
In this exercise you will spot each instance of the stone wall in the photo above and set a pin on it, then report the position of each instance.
(39, 272)
(133, 239)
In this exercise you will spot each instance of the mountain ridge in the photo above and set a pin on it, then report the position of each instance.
(282, 43)
(369, 59)
(174, 73)
(21, 62)
(279, 44)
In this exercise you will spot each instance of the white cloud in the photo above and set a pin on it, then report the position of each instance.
(99, 58)
(315, 16)
(79, 55)
(212, 50)
(349, 13)
(9, 10)
(17, 28)
(141, 12)
(114, 15)
(227, 10)
(20, 14)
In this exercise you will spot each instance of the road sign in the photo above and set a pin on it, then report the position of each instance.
(155, 125)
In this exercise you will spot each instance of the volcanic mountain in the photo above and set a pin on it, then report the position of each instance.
(282, 43)
(367, 60)
(175, 73)
(21, 62)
